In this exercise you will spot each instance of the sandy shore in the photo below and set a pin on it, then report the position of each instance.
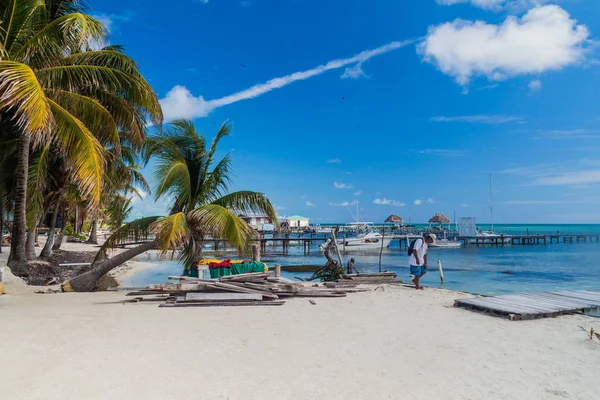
(121, 273)
(395, 344)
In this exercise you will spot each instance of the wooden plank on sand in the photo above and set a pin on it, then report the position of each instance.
(233, 288)
(223, 296)
(225, 303)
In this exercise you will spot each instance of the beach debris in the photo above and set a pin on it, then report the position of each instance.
(252, 289)
(313, 302)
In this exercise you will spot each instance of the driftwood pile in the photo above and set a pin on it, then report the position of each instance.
(255, 289)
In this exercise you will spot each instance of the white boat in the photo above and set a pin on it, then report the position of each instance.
(371, 240)
(446, 244)
(490, 237)
(487, 237)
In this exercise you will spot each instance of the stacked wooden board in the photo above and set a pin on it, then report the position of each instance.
(377, 278)
(255, 289)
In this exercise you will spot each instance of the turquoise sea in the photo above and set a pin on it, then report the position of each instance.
(488, 270)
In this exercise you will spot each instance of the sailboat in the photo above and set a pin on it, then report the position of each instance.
(490, 237)
(368, 238)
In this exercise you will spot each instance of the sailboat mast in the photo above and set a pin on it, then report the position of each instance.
(491, 204)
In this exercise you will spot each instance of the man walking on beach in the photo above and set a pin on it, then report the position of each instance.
(418, 258)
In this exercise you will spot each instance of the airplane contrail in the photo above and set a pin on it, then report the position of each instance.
(180, 103)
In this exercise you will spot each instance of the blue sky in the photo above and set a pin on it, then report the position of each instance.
(404, 106)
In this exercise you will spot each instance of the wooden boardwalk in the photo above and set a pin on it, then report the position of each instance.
(535, 305)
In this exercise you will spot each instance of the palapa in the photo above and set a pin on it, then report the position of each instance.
(439, 218)
(394, 218)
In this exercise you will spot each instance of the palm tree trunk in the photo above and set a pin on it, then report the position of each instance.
(87, 281)
(30, 244)
(61, 235)
(47, 250)
(93, 239)
(17, 260)
(1, 222)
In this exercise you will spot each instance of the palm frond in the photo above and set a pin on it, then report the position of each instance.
(16, 19)
(225, 130)
(91, 113)
(219, 222)
(84, 151)
(48, 44)
(21, 92)
(36, 184)
(97, 77)
(171, 231)
(135, 231)
(248, 202)
(172, 178)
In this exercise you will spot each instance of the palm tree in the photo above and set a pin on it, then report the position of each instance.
(187, 172)
(55, 89)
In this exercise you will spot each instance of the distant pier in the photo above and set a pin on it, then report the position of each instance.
(283, 241)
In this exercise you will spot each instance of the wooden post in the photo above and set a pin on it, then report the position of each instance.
(255, 252)
(337, 248)
(441, 271)
(277, 270)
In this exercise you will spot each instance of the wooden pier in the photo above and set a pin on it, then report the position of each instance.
(535, 305)
(308, 242)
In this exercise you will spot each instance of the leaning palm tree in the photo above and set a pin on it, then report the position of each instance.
(186, 172)
(54, 88)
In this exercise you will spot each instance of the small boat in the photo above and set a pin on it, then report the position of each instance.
(446, 244)
(487, 237)
(371, 240)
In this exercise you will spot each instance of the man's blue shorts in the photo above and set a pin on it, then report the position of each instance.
(417, 270)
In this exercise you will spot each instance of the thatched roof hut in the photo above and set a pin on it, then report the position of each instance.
(439, 219)
(394, 219)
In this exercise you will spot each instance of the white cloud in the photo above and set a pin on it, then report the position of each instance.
(201, 1)
(383, 201)
(354, 72)
(309, 204)
(441, 152)
(138, 196)
(496, 5)
(571, 178)
(277, 208)
(464, 205)
(358, 193)
(545, 38)
(340, 185)
(480, 119)
(180, 103)
(334, 161)
(539, 202)
(105, 19)
(418, 202)
(430, 201)
(535, 85)
(344, 204)
(386, 202)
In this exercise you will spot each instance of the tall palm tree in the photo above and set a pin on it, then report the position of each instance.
(186, 172)
(56, 89)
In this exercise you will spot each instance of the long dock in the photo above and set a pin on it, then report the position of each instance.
(525, 306)
(308, 240)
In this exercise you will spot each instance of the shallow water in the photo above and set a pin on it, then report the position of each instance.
(482, 270)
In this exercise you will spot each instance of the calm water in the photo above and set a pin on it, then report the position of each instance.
(483, 270)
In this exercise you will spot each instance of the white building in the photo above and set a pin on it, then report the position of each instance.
(297, 221)
(258, 222)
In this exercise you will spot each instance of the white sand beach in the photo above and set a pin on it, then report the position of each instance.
(392, 344)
